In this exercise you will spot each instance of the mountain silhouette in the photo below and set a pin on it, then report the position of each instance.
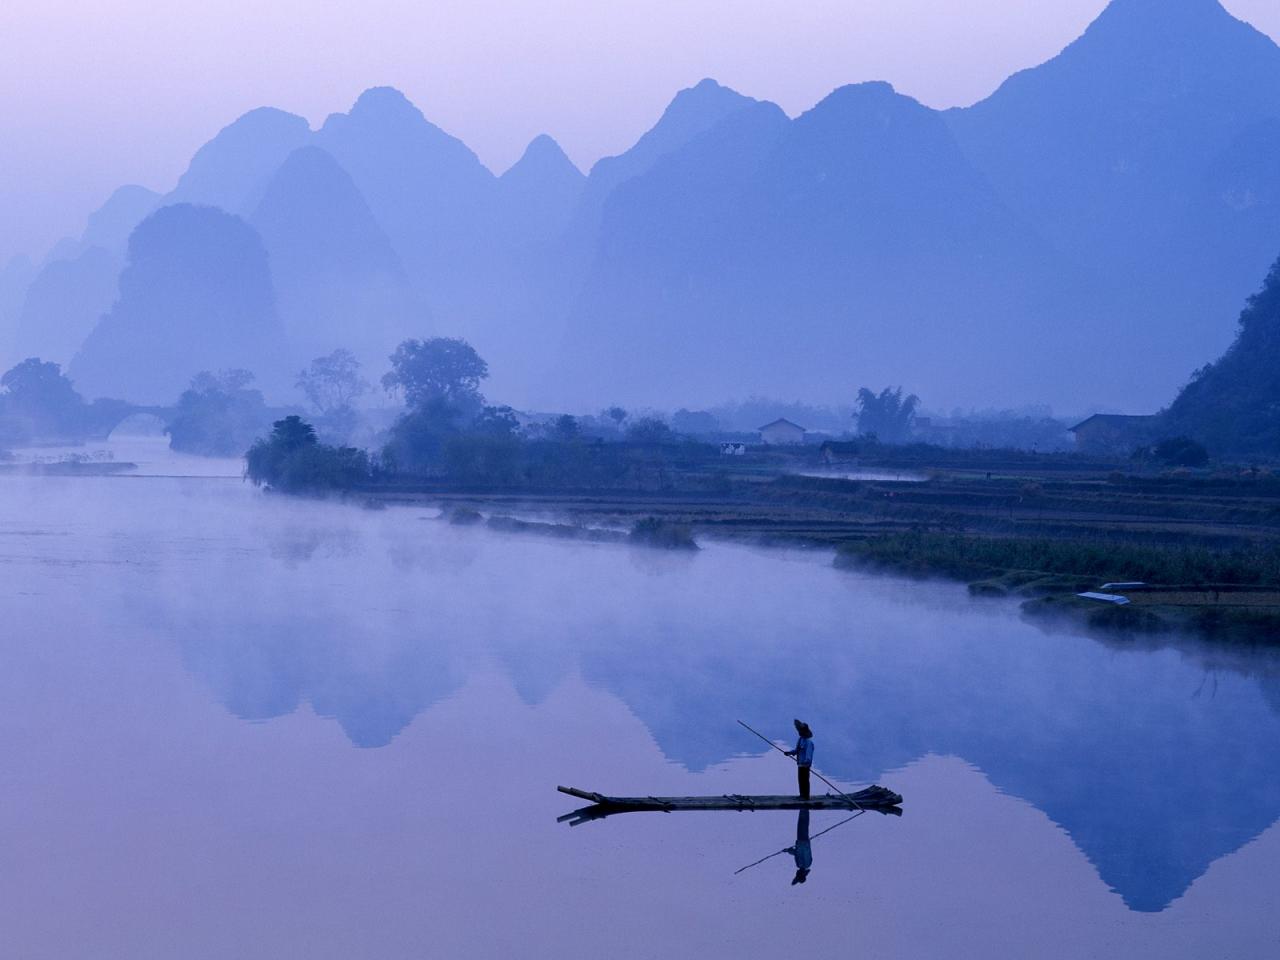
(63, 304)
(769, 252)
(524, 277)
(110, 225)
(232, 169)
(1092, 200)
(195, 295)
(57, 306)
(691, 113)
(338, 281)
(427, 189)
(1117, 201)
(15, 278)
(1233, 404)
(1109, 150)
(1095, 144)
(539, 193)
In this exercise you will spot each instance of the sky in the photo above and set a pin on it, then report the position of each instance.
(123, 91)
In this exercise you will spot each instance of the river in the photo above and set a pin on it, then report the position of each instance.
(236, 725)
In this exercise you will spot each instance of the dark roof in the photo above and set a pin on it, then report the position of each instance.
(1116, 419)
(782, 423)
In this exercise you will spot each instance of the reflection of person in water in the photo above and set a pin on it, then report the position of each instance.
(804, 757)
(802, 851)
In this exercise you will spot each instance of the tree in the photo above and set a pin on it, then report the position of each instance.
(565, 428)
(617, 415)
(228, 381)
(292, 433)
(694, 422)
(417, 438)
(442, 369)
(649, 430)
(887, 415)
(1181, 452)
(496, 422)
(218, 415)
(292, 460)
(38, 400)
(333, 383)
(1233, 404)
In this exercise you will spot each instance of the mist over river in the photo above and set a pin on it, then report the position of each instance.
(240, 725)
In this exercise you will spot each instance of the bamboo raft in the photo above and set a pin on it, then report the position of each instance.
(876, 798)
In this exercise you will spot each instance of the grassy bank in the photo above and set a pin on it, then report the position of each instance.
(970, 557)
(1227, 594)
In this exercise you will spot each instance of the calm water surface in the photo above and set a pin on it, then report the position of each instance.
(238, 726)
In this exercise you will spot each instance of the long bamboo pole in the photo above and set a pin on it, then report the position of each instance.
(789, 849)
(815, 772)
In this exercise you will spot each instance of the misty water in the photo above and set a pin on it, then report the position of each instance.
(240, 725)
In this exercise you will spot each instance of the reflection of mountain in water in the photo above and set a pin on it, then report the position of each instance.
(1131, 755)
(270, 640)
(1135, 754)
(261, 670)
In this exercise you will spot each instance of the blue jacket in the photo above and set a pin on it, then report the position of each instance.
(804, 751)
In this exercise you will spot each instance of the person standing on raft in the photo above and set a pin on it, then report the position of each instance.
(804, 756)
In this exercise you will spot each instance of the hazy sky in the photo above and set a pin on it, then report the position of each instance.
(116, 91)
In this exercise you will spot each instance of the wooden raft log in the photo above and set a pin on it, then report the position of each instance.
(872, 798)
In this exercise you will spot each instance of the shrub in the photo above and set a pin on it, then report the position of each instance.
(650, 430)
(292, 460)
(218, 415)
(653, 532)
(972, 557)
(1181, 452)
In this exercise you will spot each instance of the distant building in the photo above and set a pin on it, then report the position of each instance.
(1115, 433)
(782, 433)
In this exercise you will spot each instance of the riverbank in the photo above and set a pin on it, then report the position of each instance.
(68, 468)
(1148, 589)
(1043, 537)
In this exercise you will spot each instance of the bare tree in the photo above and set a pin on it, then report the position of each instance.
(333, 382)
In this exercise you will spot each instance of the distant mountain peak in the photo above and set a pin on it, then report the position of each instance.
(543, 145)
(869, 105)
(1163, 10)
(394, 125)
(227, 170)
(705, 96)
(541, 158)
(873, 91)
(1184, 29)
(262, 120)
(110, 225)
(691, 112)
(1151, 52)
(386, 103)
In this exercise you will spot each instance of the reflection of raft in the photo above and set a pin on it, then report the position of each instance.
(872, 798)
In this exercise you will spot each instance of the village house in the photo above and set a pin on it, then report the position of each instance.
(1112, 433)
(782, 433)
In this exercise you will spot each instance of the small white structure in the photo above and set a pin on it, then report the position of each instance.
(782, 433)
(733, 449)
(1113, 598)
